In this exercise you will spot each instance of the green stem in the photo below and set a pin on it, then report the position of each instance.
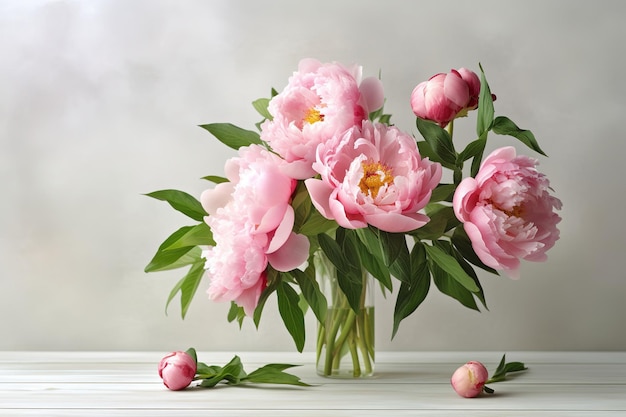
(356, 366)
(450, 128)
(330, 336)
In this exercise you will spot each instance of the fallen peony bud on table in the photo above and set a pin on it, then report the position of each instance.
(468, 380)
(177, 369)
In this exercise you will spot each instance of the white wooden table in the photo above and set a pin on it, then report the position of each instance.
(588, 384)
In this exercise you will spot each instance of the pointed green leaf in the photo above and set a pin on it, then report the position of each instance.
(273, 281)
(426, 151)
(505, 126)
(450, 265)
(463, 244)
(316, 224)
(187, 287)
(451, 287)
(443, 192)
(411, 295)
(199, 234)
(273, 374)
(481, 143)
(332, 250)
(260, 105)
(438, 139)
(373, 264)
(290, 312)
(236, 313)
(473, 149)
(192, 352)
(484, 119)
(233, 136)
(175, 258)
(311, 292)
(182, 202)
(215, 179)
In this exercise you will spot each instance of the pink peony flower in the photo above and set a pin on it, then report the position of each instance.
(319, 101)
(177, 369)
(251, 219)
(468, 380)
(445, 97)
(373, 175)
(507, 211)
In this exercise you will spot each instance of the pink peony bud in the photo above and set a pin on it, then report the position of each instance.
(445, 97)
(177, 369)
(468, 381)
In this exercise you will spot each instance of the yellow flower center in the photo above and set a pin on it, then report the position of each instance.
(313, 115)
(516, 211)
(375, 175)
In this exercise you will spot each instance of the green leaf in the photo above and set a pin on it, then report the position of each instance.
(373, 264)
(236, 313)
(463, 244)
(504, 368)
(316, 224)
(199, 234)
(484, 120)
(442, 218)
(292, 315)
(427, 152)
(182, 202)
(392, 244)
(187, 287)
(165, 259)
(311, 292)
(215, 179)
(438, 139)
(443, 192)
(473, 149)
(480, 294)
(505, 126)
(273, 374)
(351, 281)
(481, 143)
(273, 281)
(451, 287)
(411, 295)
(260, 105)
(332, 250)
(232, 372)
(450, 265)
(192, 352)
(232, 136)
(401, 267)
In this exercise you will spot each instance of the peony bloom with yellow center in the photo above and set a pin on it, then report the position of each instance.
(373, 175)
(321, 100)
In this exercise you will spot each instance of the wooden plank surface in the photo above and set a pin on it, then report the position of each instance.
(409, 383)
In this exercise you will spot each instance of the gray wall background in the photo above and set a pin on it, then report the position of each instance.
(99, 102)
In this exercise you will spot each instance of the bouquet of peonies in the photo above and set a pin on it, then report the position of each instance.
(327, 175)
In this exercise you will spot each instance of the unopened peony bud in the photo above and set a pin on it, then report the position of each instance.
(177, 369)
(445, 97)
(468, 381)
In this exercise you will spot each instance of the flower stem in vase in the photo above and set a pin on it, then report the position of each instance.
(345, 343)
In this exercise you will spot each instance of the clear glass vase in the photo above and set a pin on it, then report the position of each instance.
(345, 340)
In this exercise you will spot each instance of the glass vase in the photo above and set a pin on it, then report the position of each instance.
(345, 340)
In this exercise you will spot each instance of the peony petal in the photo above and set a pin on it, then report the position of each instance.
(396, 222)
(464, 198)
(320, 195)
(373, 93)
(282, 231)
(291, 255)
(456, 90)
(215, 198)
